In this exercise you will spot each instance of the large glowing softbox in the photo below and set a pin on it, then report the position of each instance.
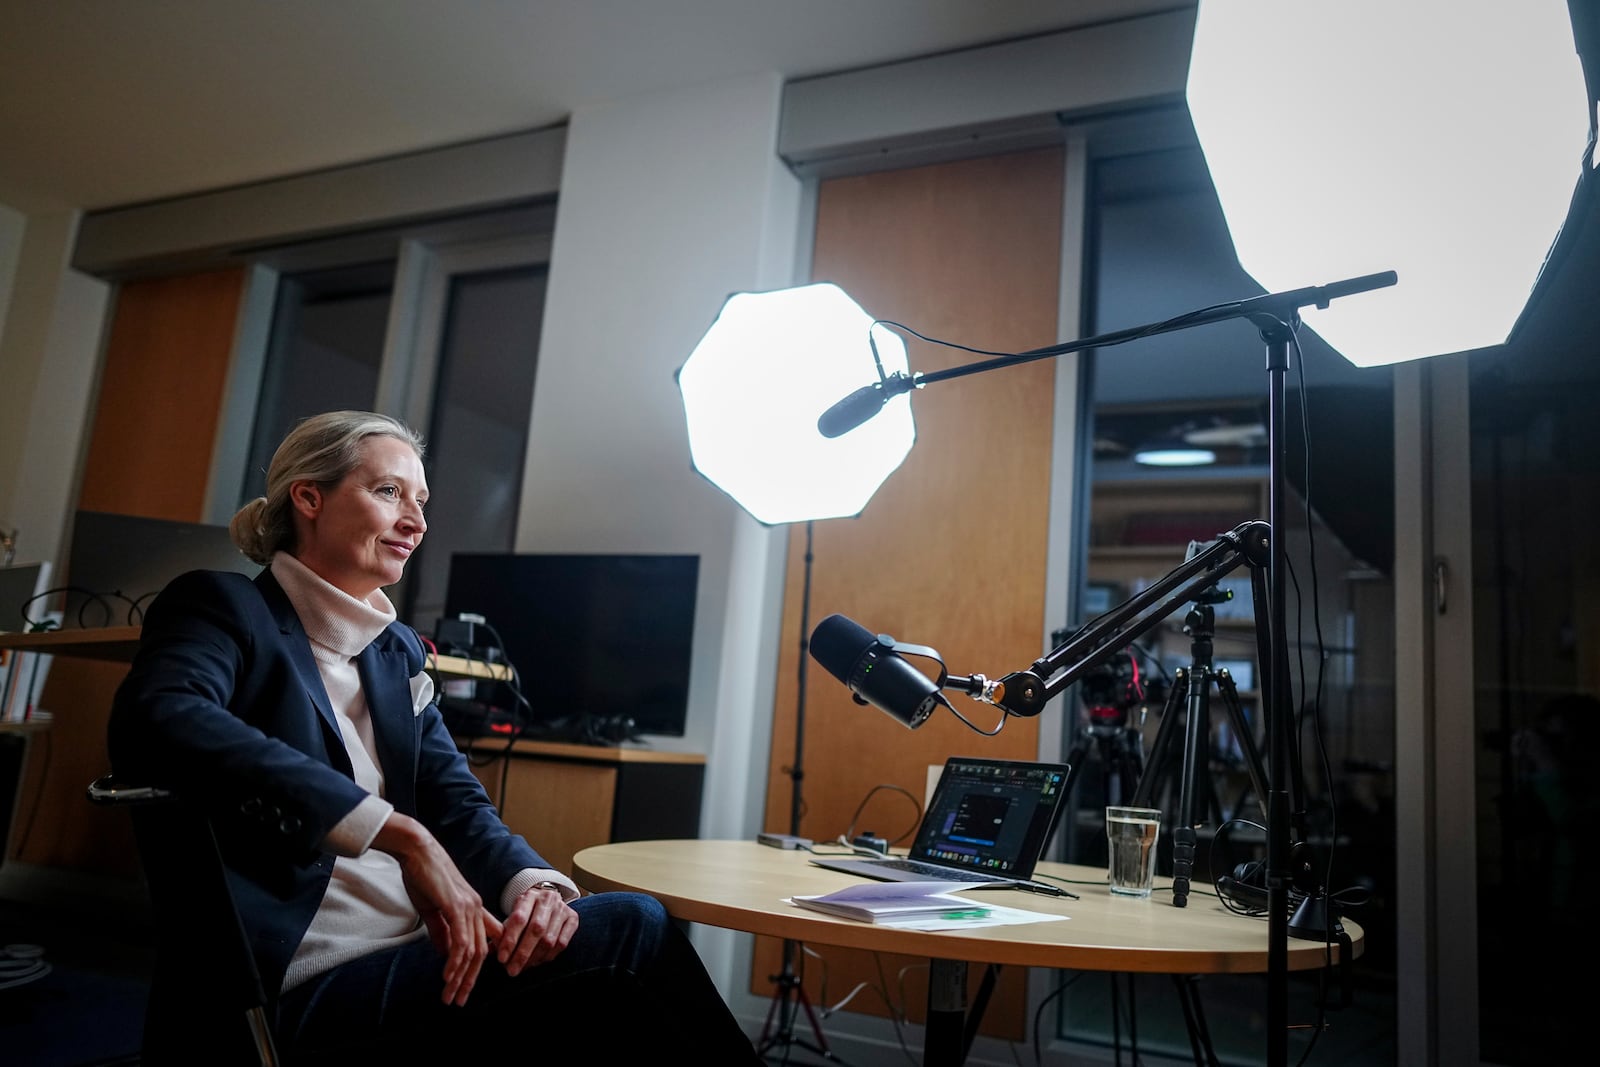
(754, 386)
(1437, 139)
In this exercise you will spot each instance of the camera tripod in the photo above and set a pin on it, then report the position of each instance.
(788, 1001)
(1108, 696)
(1191, 691)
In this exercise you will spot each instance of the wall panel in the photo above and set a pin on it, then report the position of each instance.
(149, 454)
(951, 551)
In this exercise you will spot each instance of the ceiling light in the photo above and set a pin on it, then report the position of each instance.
(1174, 453)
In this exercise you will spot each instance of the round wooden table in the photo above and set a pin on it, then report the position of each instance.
(742, 885)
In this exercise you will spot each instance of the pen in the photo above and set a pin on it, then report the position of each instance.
(969, 913)
(1047, 890)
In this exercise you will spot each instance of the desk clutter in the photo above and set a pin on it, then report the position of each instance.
(22, 673)
(21, 964)
(917, 905)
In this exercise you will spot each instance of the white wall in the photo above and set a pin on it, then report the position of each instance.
(669, 203)
(51, 321)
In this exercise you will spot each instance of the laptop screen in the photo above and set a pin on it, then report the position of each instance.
(993, 816)
(19, 584)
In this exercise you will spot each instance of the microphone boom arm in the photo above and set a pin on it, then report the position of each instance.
(1258, 309)
(1026, 692)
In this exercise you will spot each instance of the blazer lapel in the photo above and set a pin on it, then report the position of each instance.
(386, 681)
(305, 666)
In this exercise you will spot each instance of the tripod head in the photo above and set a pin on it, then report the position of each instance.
(1201, 621)
(1109, 691)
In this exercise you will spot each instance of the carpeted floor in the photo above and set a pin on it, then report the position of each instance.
(87, 1010)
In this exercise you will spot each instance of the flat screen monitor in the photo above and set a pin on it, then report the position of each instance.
(592, 636)
(118, 563)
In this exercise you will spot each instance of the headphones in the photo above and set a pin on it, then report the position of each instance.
(607, 729)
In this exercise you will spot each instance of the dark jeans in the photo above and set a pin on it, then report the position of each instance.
(630, 983)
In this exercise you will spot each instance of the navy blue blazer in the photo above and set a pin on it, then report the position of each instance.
(224, 704)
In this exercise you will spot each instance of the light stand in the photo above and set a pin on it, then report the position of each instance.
(778, 468)
(789, 998)
(1026, 692)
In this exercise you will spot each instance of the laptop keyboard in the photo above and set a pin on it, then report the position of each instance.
(941, 874)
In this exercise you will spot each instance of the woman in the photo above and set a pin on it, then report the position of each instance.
(386, 900)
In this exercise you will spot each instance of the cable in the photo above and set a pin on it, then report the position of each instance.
(38, 795)
(519, 725)
(974, 727)
(1038, 1015)
(850, 833)
(89, 597)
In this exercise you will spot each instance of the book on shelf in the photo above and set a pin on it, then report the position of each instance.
(888, 902)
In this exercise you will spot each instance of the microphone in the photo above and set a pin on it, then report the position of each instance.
(873, 671)
(861, 405)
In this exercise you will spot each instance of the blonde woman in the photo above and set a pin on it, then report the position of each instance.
(388, 904)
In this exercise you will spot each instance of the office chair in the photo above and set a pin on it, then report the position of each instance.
(206, 998)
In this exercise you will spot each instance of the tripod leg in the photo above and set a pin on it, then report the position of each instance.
(821, 1048)
(979, 1003)
(788, 1001)
(1247, 741)
(1130, 754)
(1194, 1018)
(1075, 757)
(1145, 795)
(1194, 747)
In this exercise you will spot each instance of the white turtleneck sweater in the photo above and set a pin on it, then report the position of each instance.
(366, 908)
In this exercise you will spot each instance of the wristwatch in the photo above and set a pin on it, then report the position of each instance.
(551, 885)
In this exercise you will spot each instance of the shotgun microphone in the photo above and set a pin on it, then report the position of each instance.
(873, 671)
(861, 405)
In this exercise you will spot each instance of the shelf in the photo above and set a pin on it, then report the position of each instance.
(119, 643)
(459, 667)
(114, 643)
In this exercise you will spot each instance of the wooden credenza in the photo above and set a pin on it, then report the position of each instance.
(564, 797)
(561, 797)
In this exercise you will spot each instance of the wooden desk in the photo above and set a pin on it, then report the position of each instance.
(117, 644)
(73, 834)
(564, 797)
(741, 885)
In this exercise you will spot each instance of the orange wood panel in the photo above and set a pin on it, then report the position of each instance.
(950, 552)
(160, 396)
(149, 454)
(56, 826)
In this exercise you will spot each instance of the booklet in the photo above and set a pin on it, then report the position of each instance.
(887, 902)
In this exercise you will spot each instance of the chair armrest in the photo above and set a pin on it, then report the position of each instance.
(110, 790)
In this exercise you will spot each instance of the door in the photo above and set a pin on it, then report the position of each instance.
(1510, 574)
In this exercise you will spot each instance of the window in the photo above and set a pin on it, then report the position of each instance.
(1161, 248)
(438, 326)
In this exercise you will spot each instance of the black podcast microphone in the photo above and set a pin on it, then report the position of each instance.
(875, 674)
(861, 405)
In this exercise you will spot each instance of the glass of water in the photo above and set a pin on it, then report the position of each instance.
(1131, 834)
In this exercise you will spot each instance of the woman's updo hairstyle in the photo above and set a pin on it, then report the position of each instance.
(321, 449)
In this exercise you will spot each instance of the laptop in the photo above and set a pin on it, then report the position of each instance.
(20, 583)
(987, 821)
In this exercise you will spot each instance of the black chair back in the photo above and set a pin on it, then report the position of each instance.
(206, 997)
